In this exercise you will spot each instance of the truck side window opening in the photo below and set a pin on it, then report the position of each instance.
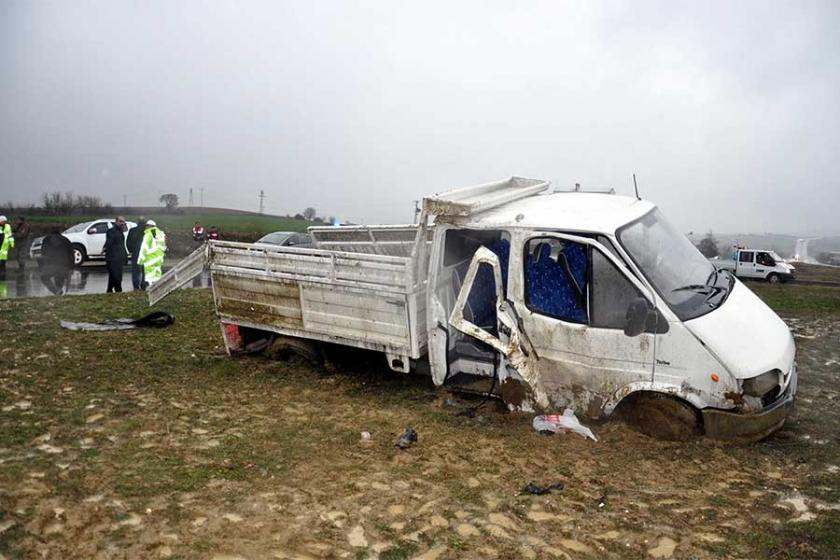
(100, 227)
(481, 303)
(764, 259)
(556, 275)
(746, 257)
(612, 293)
(459, 248)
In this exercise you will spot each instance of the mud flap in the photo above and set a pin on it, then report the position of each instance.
(508, 343)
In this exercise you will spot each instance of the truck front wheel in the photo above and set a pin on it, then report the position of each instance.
(773, 278)
(660, 416)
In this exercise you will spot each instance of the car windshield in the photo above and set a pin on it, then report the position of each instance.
(682, 276)
(77, 228)
(276, 238)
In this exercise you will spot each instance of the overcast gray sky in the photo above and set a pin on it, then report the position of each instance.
(727, 111)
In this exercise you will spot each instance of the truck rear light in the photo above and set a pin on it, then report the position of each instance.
(233, 337)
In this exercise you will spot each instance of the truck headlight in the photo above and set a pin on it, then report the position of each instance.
(760, 385)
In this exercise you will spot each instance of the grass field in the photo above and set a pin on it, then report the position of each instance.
(156, 444)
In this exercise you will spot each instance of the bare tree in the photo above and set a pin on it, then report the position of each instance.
(170, 199)
(708, 246)
(309, 213)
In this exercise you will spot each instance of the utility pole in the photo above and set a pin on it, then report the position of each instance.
(416, 210)
(262, 201)
(125, 204)
(191, 196)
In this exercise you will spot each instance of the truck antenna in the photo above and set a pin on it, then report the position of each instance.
(636, 187)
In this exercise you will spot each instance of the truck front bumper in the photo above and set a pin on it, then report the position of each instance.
(746, 428)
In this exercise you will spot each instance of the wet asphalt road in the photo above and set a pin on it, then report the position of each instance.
(92, 278)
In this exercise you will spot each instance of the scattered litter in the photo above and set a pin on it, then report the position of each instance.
(407, 439)
(538, 490)
(365, 436)
(602, 502)
(567, 422)
(156, 319)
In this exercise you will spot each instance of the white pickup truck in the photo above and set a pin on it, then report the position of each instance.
(552, 299)
(757, 263)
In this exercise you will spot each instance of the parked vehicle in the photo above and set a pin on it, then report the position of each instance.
(88, 239)
(287, 239)
(757, 263)
(591, 301)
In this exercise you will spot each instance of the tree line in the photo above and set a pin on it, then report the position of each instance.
(63, 204)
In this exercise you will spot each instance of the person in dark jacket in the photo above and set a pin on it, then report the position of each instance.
(22, 233)
(133, 242)
(115, 254)
(57, 260)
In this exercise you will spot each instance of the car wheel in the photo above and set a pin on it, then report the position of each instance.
(79, 255)
(661, 416)
(773, 278)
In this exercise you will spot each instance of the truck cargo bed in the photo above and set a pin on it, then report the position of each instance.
(359, 299)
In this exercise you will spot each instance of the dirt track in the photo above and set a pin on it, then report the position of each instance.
(155, 444)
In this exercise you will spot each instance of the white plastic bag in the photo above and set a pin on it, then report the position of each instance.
(568, 422)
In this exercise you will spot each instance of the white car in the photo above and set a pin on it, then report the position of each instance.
(88, 239)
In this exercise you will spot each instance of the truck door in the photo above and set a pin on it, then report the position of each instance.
(572, 299)
(514, 369)
(746, 264)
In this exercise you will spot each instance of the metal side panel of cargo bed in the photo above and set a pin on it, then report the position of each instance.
(364, 300)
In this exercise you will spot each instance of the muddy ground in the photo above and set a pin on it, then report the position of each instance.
(155, 444)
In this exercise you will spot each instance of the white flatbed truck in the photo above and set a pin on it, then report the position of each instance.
(562, 299)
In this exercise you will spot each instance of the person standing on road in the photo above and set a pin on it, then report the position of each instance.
(7, 241)
(133, 243)
(151, 253)
(57, 261)
(22, 233)
(115, 254)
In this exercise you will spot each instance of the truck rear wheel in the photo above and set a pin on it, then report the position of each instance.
(661, 416)
(773, 278)
(286, 348)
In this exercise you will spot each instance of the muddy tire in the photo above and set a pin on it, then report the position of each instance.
(662, 417)
(287, 348)
(773, 278)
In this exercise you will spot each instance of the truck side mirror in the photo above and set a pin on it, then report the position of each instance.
(636, 318)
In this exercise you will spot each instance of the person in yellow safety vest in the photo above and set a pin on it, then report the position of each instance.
(150, 256)
(7, 241)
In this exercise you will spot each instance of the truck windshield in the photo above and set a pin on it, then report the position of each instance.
(682, 276)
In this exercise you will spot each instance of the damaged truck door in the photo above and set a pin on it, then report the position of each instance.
(514, 366)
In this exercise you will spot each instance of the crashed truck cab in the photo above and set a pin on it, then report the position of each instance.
(585, 300)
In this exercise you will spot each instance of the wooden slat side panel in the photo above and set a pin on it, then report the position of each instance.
(361, 316)
(268, 301)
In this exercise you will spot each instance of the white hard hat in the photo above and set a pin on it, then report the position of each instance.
(3, 219)
(150, 223)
